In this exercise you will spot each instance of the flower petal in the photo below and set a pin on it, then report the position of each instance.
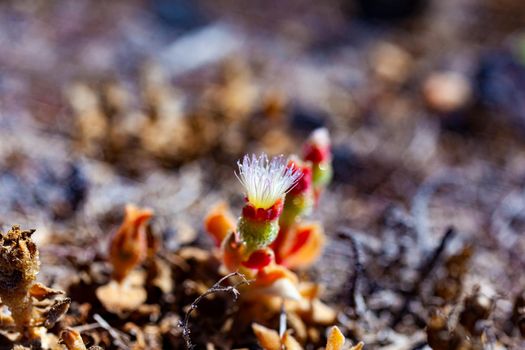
(264, 180)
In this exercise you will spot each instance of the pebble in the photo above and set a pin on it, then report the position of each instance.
(447, 92)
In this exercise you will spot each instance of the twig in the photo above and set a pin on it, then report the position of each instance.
(488, 337)
(282, 320)
(119, 337)
(216, 288)
(87, 327)
(420, 205)
(424, 271)
(358, 270)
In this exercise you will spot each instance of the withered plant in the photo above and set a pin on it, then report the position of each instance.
(128, 249)
(33, 307)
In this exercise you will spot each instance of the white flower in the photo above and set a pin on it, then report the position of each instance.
(265, 181)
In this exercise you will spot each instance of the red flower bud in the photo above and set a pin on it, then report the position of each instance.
(259, 259)
(317, 148)
(316, 154)
(304, 182)
(260, 214)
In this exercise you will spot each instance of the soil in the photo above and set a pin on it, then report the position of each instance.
(108, 103)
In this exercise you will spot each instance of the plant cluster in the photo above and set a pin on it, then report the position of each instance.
(271, 236)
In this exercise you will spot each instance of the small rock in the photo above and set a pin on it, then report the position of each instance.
(390, 62)
(447, 92)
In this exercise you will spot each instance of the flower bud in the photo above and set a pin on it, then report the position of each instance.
(265, 182)
(259, 259)
(299, 200)
(129, 244)
(317, 150)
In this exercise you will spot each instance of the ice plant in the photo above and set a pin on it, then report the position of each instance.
(299, 200)
(270, 236)
(317, 150)
(246, 246)
(129, 244)
(300, 243)
(298, 203)
(265, 182)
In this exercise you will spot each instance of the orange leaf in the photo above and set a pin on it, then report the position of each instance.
(219, 222)
(129, 244)
(268, 338)
(275, 280)
(232, 252)
(290, 343)
(336, 339)
(307, 246)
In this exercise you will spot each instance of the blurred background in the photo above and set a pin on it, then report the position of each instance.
(108, 102)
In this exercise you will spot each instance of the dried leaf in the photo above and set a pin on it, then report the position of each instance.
(55, 312)
(129, 245)
(290, 343)
(297, 324)
(319, 313)
(358, 346)
(121, 298)
(268, 338)
(200, 255)
(72, 339)
(163, 279)
(336, 339)
(41, 292)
